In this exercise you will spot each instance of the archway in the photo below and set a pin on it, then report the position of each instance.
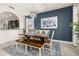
(8, 20)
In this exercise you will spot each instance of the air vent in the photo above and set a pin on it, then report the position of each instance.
(11, 7)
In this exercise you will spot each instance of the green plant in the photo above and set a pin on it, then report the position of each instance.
(76, 27)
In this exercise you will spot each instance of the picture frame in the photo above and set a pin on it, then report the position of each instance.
(49, 23)
(13, 24)
(31, 23)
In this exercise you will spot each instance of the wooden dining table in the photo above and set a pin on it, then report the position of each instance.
(42, 37)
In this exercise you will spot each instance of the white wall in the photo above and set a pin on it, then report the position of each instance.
(8, 35)
(75, 19)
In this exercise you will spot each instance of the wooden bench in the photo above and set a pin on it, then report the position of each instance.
(32, 43)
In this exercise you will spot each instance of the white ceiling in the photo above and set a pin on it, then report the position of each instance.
(25, 8)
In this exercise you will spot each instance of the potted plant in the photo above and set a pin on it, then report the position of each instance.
(76, 28)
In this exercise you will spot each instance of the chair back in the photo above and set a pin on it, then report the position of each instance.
(46, 32)
(53, 32)
(37, 32)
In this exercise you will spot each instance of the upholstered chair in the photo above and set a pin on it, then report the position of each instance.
(37, 32)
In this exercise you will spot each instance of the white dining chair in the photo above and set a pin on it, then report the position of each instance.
(37, 32)
(48, 42)
(45, 32)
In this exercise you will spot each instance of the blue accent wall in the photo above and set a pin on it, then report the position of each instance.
(63, 32)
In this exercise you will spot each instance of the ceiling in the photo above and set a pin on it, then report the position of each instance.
(25, 8)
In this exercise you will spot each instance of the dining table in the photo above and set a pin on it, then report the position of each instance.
(42, 37)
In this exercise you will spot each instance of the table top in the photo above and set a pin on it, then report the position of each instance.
(31, 42)
(42, 35)
(35, 35)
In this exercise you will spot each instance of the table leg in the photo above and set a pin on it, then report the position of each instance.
(43, 48)
(39, 51)
(42, 39)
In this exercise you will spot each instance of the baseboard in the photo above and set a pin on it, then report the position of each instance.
(62, 41)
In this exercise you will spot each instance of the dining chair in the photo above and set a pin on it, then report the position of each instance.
(48, 42)
(37, 32)
(46, 32)
(31, 31)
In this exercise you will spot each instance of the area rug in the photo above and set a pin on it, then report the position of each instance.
(20, 51)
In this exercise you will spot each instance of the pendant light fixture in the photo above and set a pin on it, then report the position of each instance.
(33, 13)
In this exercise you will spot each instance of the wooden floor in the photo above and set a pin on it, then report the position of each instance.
(69, 50)
(66, 49)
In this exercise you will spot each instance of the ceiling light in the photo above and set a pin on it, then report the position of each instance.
(33, 13)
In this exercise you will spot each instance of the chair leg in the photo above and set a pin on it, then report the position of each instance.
(43, 48)
(26, 49)
(16, 45)
(51, 48)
